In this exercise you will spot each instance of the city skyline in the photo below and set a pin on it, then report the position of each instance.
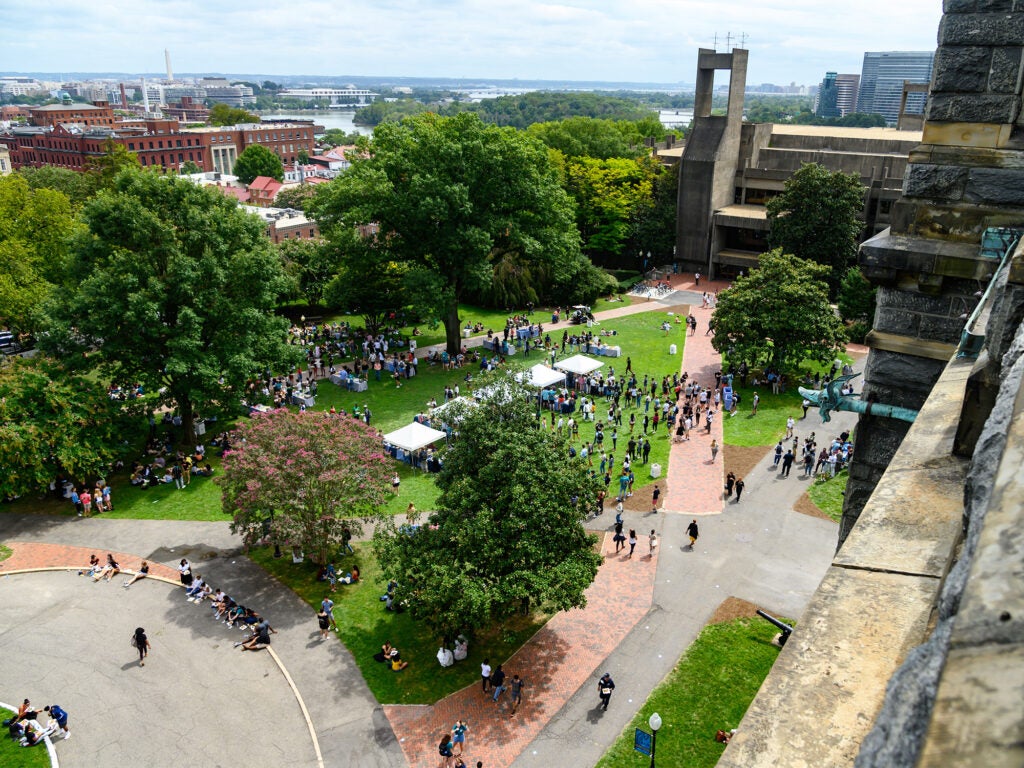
(789, 40)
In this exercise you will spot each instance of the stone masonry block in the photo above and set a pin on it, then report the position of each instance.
(897, 321)
(981, 29)
(1006, 73)
(1000, 186)
(945, 329)
(962, 68)
(979, 6)
(976, 6)
(972, 108)
(935, 181)
(893, 298)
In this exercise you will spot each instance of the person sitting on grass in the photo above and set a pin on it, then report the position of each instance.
(350, 578)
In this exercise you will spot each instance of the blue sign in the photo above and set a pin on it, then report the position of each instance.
(727, 398)
(642, 742)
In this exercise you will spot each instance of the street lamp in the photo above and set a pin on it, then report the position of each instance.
(655, 722)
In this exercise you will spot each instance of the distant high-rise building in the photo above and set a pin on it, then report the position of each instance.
(825, 105)
(882, 77)
(847, 87)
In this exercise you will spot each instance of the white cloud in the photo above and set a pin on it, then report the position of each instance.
(640, 40)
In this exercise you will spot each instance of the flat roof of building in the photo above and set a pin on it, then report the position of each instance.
(245, 127)
(63, 107)
(844, 132)
(744, 211)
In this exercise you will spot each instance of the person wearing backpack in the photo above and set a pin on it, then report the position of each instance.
(444, 749)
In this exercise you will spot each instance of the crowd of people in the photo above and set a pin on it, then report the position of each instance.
(27, 728)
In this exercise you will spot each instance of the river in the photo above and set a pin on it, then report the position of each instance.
(335, 118)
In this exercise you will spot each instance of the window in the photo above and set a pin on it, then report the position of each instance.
(131, 145)
(161, 144)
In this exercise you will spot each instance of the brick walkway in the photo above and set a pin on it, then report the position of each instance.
(29, 556)
(694, 482)
(555, 663)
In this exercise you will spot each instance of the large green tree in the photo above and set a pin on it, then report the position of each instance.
(508, 531)
(257, 160)
(590, 137)
(175, 287)
(448, 197)
(778, 315)
(35, 228)
(816, 218)
(54, 423)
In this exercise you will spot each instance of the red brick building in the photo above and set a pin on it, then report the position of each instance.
(157, 142)
(97, 114)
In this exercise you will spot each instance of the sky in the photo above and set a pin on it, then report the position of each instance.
(608, 40)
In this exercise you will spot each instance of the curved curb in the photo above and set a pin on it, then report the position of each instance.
(172, 582)
(46, 739)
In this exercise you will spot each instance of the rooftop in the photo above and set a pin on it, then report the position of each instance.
(845, 133)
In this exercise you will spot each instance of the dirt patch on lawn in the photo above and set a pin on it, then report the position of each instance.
(733, 608)
(805, 506)
(742, 459)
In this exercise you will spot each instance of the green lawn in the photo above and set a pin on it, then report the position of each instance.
(827, 495)
(709, 689)
(364, 626)
(13, 755)
(490, 318)
(769, 425)
(5, 552)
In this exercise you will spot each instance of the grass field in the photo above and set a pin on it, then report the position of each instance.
(827, 495)
(5, 552)
(769, 425)
(364, 626)
(13, 755)
(709, 689)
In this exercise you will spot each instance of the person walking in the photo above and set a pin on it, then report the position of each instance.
(787, 463)
(324, 622)
(693, 532)
(739, 489)
(444, 749)
(730, 483)
(714, 450)
(327, 606)
(632, 543)
(485, 676)
(60, 717)
(653, 543)
(753, 405)
(655, 495)
(141, 643)
(498, 682)
(778, 454)
(516, 690)
(618, 538)
(605, 686)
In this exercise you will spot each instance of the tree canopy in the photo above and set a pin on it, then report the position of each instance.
(172, 286)
(257, 160)
(545, 106)
(449, 197)
(225, 114)
(53, 423)
(816, 218)
(591, 137)
(35, 228)
(778, 315)
(312, 474)
(508, 531)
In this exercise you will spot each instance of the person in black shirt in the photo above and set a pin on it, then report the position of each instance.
(605, 686)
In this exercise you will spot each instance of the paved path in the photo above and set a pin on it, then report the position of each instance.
(350, 725)
(559, 660)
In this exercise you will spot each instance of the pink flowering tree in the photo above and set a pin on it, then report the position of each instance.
(309, 474)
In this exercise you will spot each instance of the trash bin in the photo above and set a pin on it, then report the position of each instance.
(655, 470)
(466, 332)
(672, 349)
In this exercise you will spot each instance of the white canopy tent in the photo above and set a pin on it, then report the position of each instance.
(414, 436)
(579, 365)
(541, 377)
